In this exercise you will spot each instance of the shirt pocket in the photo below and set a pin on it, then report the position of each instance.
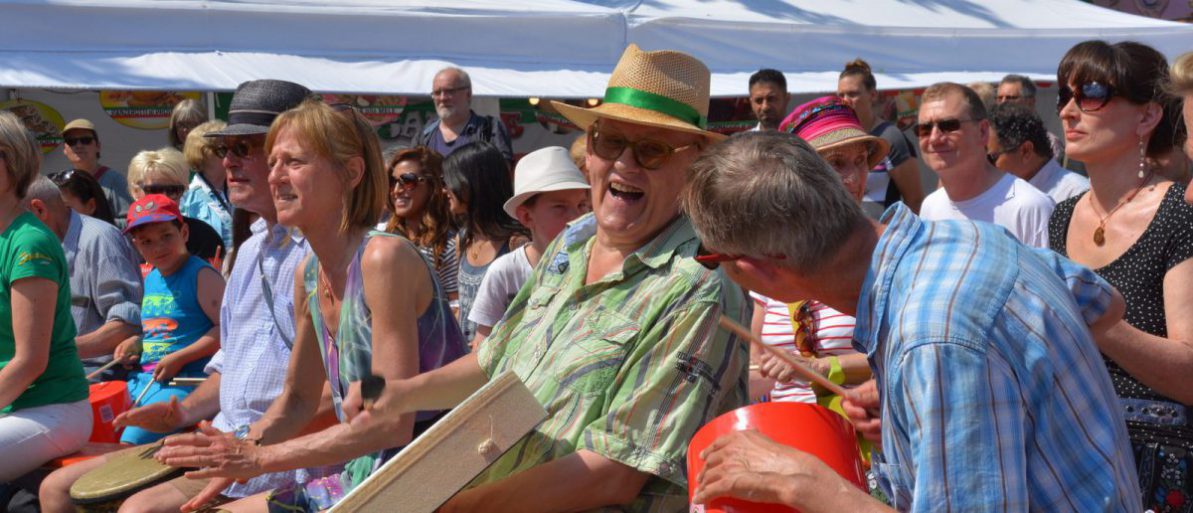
(591, 359)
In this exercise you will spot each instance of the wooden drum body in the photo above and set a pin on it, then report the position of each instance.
(104, 488)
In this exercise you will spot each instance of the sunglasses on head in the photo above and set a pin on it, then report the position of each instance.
(1090, 96)
(242, 148)
(165, 189)
(75, 141)
(648, 153)
(60, 178)
(406, 181)
(945, 125)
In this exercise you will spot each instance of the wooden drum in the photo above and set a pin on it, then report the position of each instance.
(103, 489)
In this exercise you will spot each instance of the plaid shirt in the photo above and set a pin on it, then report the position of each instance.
(994, 397)
(629, 366)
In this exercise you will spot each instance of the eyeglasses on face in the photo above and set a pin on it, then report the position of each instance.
(166, 189)
(447, 91)
(406, 181)
(76, 141)
(1090, 96)
(648, 153)
(946, 126)
(242, 148)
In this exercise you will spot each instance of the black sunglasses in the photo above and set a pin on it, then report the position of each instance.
(60, 178)
(75, 141)
(242, 148)
(1090, 96)
(945, 125)
(649, 154)
(168, 190)
(406, 181)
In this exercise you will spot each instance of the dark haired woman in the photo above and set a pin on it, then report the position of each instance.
(419, 210)
(83, 194)
(896, 177)
(478, 184)
(1132, 228)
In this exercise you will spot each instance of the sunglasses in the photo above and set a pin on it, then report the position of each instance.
(242, 148)
(946, 126)
(648, 153)
(168, 190)
(406, 181)
(75, 141)
(1090, 97)
(60, 178)
(712, 260)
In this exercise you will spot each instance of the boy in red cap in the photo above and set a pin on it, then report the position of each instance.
(179, 312)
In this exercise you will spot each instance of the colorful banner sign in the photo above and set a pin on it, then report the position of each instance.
(146, 110)
(41, 119)
(378, 109)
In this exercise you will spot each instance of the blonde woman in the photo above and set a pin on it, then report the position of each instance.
(206, 198)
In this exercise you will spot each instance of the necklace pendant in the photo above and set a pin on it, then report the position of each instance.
(1099, 236)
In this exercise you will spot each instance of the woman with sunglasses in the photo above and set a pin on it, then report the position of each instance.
(206, 197)
(897, 177)
(164, 172)
(83, 194)
(44, 411)
(1133, 229)
(367, 306)
(419, 211)
(478, 185)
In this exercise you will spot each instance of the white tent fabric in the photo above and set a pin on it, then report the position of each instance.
(552, 48)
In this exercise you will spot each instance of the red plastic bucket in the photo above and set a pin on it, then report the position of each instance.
(807, 427)
(108, 399)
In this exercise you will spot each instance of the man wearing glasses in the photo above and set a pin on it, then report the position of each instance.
(81, 146)
(1019, 145)
(953, 131)
(458, 125)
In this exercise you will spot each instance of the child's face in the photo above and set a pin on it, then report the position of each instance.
(160, 244)
(553, 210)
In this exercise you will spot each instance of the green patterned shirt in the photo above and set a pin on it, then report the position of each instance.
(628, 367)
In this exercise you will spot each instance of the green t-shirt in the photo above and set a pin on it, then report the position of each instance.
(29, 249)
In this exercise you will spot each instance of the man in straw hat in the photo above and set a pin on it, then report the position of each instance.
(616, 329)
(994, 404)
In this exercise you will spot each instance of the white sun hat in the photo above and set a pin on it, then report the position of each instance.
(544, 170)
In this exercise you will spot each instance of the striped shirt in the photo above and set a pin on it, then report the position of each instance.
(629, 366)
(833, 336)
(994, 397)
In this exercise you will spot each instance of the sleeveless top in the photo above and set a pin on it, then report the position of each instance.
(469, 281)
(171, 317)
(1138, 274)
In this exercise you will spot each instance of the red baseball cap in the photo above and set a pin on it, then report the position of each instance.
(151, 208)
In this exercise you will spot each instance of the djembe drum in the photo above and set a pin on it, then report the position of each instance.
(103, 489)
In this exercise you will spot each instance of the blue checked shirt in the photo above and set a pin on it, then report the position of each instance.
(994, 397)
(254, 348)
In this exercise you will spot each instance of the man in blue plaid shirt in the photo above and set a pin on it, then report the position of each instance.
(993, 395)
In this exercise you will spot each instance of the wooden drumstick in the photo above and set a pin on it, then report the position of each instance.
(142, 395)
(801, 369)
(100, 370)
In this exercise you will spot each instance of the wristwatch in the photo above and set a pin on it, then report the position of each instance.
(242, 433)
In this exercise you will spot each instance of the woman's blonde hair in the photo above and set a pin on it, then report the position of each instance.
(22, 156)
(166, 164)
(1180, 78)
(339, 137)
(199, 147)
(189, 112)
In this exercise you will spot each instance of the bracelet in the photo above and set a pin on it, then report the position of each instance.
(835, 373)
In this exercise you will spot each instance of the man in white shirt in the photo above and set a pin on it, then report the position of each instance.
(768, 98)
(1019, 145)
(953, 131)
(1018, 89)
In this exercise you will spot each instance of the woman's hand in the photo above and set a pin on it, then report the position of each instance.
(209, 493)
(216, 453)
(162, 417)
(129, 351)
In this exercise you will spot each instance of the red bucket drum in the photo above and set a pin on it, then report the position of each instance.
(108, 399)
(807, 427)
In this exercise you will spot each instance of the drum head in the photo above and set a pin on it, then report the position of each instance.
(124, 474)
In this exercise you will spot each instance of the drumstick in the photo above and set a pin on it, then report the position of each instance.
(100, 370)
(186, 382)
(796, 365)
(142, 395)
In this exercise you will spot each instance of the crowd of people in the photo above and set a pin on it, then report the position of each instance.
(1015, 340)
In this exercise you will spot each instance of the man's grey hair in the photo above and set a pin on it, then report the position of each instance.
(765, 194)
(1027, 88)
(43, 188)
(464, 79)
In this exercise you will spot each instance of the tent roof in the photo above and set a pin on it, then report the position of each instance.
(555, 48)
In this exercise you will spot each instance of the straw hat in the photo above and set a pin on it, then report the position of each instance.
(828, 123)
(665, 88)
(544, 170)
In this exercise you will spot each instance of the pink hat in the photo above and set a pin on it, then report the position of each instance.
(827, 123)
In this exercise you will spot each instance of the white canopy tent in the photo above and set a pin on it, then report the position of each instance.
(552, 48)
